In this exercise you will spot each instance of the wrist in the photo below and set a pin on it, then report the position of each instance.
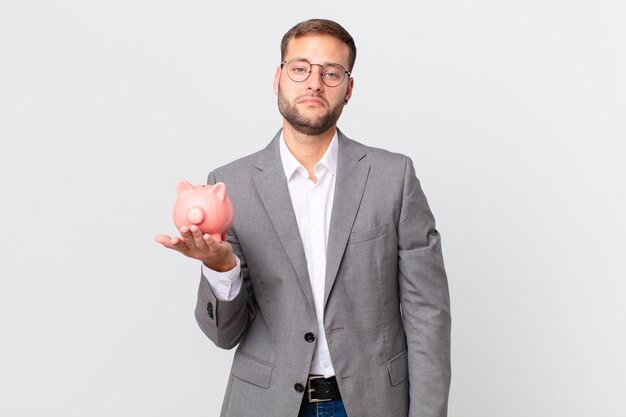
(221, 266)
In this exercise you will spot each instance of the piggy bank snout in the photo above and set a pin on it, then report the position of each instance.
(195, 215)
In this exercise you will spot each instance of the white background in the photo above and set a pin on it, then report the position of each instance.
(513, 112)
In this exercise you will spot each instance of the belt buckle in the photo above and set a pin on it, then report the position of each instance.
(310, 390)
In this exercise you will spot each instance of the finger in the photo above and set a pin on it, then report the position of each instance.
(197, 237)
(210, 242)
(171, 243)
(179, 244)
(162, 239)
(187, 237)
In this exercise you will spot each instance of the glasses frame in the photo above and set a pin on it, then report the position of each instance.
(311, 70)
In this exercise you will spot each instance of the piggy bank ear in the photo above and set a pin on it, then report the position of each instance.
(183, 186)
(219, 189)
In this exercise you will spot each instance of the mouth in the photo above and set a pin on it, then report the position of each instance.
(312, 101)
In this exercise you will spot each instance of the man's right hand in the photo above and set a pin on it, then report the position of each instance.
(194, 244)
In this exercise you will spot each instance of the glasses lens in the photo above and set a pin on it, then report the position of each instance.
(298, 70)
(332, 75)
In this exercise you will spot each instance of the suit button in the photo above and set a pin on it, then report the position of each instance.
(299, 387)
(309, 337)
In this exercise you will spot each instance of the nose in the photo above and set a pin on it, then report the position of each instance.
(314, 82)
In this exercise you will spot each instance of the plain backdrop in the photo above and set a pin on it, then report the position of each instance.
(513, 112)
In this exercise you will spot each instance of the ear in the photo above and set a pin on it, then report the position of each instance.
(183, 186)
(277, 79)
(220, 190)
(349, 89)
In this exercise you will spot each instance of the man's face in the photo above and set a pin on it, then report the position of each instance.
(311, 107)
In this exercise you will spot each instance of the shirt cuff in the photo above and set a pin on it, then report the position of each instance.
(225, 285)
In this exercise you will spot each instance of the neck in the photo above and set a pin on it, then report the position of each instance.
(308, 150)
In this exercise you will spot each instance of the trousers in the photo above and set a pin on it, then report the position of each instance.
(322, 409)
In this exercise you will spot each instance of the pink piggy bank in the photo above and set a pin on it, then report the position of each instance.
(206, 206)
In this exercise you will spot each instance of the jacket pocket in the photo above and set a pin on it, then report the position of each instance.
(365, 235)
(251, 370)
(398, 368)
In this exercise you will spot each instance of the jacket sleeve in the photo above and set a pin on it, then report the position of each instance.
(425, 302)
(225, 322)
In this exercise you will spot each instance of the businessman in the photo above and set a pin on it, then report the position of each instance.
(331, 283)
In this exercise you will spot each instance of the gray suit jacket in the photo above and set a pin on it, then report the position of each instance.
(386, 301)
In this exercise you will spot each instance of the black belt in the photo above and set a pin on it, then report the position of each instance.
(322, 389)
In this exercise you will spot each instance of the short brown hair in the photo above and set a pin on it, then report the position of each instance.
(327, 27)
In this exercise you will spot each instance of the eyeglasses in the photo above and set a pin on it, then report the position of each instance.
(299, 70)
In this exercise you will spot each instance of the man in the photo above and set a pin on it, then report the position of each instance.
(332, 280)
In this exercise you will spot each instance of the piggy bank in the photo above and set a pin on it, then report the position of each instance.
(206, 206)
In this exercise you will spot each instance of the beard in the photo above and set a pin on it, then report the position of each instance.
(310, 126)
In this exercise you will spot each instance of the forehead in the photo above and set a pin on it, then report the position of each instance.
(318, 49)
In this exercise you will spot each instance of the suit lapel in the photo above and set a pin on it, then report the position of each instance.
(349, 186)
(271, 185)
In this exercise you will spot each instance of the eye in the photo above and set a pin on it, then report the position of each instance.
(332, 72)
(299, 67)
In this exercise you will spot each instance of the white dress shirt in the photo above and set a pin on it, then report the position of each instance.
(312, 205)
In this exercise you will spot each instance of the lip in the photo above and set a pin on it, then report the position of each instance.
(312, 100)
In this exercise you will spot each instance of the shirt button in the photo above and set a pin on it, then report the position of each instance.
(326, 364)
(309, 337)
(299, 387)
(225, 284)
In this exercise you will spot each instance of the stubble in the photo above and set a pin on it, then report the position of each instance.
(310, 126)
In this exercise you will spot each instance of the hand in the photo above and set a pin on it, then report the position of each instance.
(192, 243)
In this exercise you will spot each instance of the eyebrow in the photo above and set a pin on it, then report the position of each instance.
(309, 61)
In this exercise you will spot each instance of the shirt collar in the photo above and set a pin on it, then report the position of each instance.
(291, 164)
